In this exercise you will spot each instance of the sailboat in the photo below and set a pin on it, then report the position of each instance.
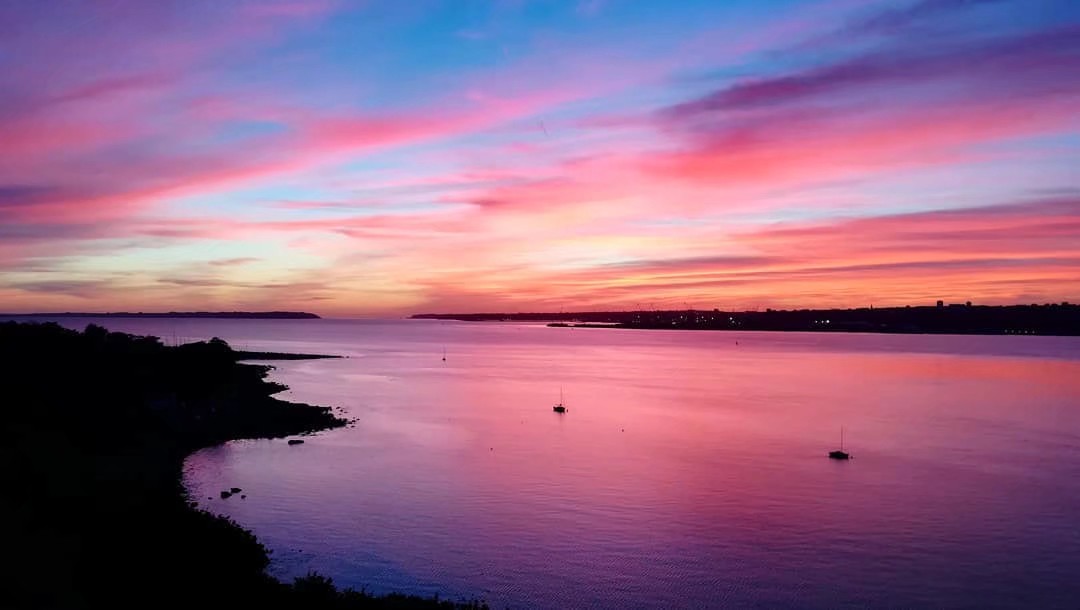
(840, 454)
(560, 408)
(444, 354)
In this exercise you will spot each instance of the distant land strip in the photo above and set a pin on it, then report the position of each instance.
(246, 355)
(260, 315)
(958, 318)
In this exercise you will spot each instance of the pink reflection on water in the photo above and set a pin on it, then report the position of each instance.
(688, 471)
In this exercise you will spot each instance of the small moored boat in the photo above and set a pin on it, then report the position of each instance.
(840, 454)
(560, 407)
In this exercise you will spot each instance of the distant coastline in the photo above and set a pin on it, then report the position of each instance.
(959, 318)
(99, 424)
(257, 315)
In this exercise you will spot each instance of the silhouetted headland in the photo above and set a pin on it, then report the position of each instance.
(257, 315)
(95, 428)
(1049, 319)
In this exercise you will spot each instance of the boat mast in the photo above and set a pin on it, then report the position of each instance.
(841, 438)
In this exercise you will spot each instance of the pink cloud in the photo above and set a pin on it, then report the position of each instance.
(992, 254)
(646, 202)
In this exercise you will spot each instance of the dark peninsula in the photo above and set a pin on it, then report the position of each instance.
(255, 315)
(965, 318)
(95, 428)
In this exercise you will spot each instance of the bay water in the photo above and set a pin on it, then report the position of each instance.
(689, 470)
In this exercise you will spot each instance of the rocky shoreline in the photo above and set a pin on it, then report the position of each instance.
(96, 426)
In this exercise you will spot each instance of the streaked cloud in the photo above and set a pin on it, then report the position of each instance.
(374, 158)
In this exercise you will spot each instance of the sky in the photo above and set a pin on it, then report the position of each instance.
(384, 158)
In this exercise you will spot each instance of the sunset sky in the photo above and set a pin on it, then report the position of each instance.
(386, 158)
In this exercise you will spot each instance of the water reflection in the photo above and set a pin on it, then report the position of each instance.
(688, 472)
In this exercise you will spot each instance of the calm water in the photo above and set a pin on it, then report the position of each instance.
(688, 472)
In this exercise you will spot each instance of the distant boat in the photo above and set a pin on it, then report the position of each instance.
(444, 354)
(560, 408)
(840, 454)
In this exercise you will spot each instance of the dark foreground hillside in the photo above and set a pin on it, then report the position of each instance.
(94, 428)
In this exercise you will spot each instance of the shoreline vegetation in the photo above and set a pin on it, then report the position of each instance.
(95, 429)
(960, 319)
(232, 315)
